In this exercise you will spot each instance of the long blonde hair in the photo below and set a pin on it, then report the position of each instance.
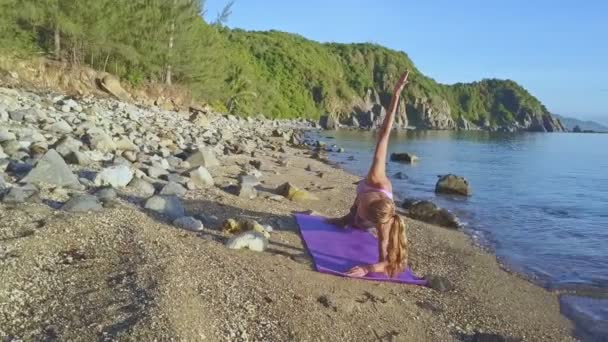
(381, 212)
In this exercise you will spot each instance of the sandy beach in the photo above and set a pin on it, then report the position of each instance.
(125, 274)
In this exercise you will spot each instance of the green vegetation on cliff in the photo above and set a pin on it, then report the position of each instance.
(274, 73)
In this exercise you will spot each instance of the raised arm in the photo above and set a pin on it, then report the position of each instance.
(377, 173)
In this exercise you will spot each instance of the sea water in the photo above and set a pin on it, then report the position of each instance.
(540, 203)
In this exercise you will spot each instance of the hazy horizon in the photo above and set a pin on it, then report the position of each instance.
(553, 51)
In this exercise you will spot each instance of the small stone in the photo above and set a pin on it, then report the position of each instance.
(251, 240)
(188, 223)
(256, 163)
(82, 203)
(203, 156)
(169, 206)
(201, 178)
(291, 192)
(66, 145)
(20, 194)
(439, 283)
(78, 158)
(99, 140)
(404, 157)
(5, 135)
(173, 188)
(60, 127)
(106, 194)
(156, 172)
(142, 187)
(452, 184)
(130, 156)
(116, 176)
(400, 175)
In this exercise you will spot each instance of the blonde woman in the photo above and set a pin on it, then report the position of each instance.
(374, 208)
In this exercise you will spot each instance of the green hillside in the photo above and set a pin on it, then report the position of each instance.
(274, 73)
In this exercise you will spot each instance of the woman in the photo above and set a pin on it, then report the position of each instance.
(374, 207)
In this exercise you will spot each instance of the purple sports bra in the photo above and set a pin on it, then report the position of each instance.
(364, 188)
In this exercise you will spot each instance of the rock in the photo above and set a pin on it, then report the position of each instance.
(11, 147)
(66, 145)
(188, 223)
(99, 140)
(15, 195)
(78, 158)
(452, 184)
(256, 163)
(169, 206)
(329, 122)
(203, 156)
(173, 188)
(38, 148)
(82, 203)
(404, 157)
(291, 192)
(111, 84)
(251, 240)
(124, 144)
(60, 127)
(233, 226)
(5, 135)
(106, 194)
(172, 177)
(142, 187)
(427, 211)
(201, 178)
(116, 176)
(247, 185)
(400, 175)
(130, 156)
(439, 283)
(156, 172)
(52, 169)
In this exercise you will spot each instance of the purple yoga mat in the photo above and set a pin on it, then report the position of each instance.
(336, 250)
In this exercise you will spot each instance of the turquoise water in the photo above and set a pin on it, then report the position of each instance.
(540, 201)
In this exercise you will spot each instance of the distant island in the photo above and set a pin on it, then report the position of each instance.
(576, 125)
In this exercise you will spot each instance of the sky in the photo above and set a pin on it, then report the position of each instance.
(557, 49)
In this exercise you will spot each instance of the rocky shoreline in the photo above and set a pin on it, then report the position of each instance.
(120, 222)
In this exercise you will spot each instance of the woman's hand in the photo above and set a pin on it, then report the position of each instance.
(341, 222)
(402, 82)
(358, 271)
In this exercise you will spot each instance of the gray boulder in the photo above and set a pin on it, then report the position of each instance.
(52, 169)
(82, 203)
(168, 206)
(452, 184)
(116, 176)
